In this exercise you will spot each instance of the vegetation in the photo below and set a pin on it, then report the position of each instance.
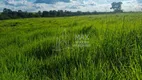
(116, 6)
(29, 48)
(9, 14)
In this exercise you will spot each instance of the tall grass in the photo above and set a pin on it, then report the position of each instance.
(43, 48)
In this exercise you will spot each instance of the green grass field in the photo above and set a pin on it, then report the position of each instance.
(93, 47)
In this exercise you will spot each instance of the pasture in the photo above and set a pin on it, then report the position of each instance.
(92, 47)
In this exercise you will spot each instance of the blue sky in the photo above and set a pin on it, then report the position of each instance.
(72, 5)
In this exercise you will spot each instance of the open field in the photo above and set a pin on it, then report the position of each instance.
(93, 47)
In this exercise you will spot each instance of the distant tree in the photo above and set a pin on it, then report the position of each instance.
(30, 15)
(39, 13)
(14, 14)
(67, 13)
(20, 13)
(78, 13)
(116, 6)
(60, 13)
(7, 13)
(54, 13)
(45, 14)
(94, 12)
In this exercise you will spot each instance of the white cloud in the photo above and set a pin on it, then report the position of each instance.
(131, 5)
(74, 5)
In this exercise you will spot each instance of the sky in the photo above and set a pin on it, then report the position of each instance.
(71, 5)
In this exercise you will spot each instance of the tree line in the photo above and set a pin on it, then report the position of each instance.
(9, 14)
